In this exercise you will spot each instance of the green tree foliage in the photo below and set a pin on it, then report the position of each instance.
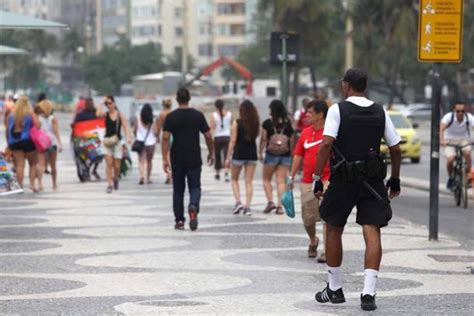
(386, 45)
(114, 66)
(24, 71)
(70, 45)
(318, 25)
(385, 41)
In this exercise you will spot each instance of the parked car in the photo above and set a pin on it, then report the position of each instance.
(417, 111)
(410, 144)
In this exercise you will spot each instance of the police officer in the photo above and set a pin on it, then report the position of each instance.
(352, 135)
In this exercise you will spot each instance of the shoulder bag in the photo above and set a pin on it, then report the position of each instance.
(138, 145)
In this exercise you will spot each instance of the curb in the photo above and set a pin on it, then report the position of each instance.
(422, 185)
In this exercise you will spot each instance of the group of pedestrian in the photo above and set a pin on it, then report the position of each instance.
(21, 117)
(118, 137)
(338, 149)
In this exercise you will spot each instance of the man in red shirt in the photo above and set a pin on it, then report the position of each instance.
(305, 152)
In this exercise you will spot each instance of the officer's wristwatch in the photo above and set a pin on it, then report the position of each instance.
(316, 178)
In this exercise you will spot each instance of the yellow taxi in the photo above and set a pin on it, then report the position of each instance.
(410, 144)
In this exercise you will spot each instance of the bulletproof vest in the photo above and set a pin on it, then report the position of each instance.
(360, 131)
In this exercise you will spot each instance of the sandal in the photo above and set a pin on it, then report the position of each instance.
(141, 182)
(270, 207)
(279, 210)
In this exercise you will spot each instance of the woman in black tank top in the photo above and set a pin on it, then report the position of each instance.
(243, 150)
(112, 127)
(113, 154)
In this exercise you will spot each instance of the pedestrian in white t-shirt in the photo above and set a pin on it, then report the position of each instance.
(456, 130)
(146, 132)
(220, 124)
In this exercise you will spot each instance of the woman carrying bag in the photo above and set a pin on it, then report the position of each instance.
(145, 141)
(49, 124)
(19, 124)
(113, 152)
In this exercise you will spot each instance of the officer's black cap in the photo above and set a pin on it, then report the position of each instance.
(356, 78)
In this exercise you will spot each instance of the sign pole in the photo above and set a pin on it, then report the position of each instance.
(284, 69)
(434, 160)
(440, 30)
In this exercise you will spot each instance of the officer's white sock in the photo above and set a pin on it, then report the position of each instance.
(334, 277)
(370, 281)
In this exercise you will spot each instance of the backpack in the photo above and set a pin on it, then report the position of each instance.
(467, 123)
(279, 143)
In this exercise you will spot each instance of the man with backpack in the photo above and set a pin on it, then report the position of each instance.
(455, 130)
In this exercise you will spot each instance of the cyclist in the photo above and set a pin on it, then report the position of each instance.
(455, 130)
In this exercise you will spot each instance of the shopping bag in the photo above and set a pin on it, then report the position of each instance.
(41, 139)
(288, 202)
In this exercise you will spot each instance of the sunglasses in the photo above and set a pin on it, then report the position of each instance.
(108, 103)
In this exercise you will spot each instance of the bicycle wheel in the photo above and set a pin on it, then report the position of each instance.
(457, 188)
(464, 189)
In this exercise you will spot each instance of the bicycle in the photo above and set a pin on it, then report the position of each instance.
(460, 176)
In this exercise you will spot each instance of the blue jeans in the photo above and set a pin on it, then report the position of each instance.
(179, 185)
(275, 160)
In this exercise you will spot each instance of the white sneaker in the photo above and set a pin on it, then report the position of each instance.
(247, 211)
(237, 208)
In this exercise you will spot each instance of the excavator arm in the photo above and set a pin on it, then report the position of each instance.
(244, 72)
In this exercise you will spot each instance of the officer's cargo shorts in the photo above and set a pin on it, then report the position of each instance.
(341, 198)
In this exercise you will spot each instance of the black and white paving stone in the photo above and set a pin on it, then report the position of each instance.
(84, 252)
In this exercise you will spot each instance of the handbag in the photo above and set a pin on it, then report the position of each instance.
(139, 145)
(40, 139)
(113, 140)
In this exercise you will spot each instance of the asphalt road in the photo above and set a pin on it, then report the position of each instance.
(413, 205)
(422, 170)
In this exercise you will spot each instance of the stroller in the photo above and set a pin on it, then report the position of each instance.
(87, 146)
(8, 182)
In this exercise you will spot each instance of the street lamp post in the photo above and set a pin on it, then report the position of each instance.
(184, 58)
(349, 58)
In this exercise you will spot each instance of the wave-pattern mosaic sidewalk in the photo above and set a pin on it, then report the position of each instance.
(85, 252)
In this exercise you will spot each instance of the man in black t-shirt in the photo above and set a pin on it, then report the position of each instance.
(185, 124)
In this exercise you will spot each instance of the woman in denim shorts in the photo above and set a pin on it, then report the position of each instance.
(279, 123)
(243, 150)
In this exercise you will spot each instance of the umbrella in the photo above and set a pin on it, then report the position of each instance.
(9, 20)
(7, 50)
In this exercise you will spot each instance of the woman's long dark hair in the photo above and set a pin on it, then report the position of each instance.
(278, 113)
(250, 121)
(146, 114)
(219, 104)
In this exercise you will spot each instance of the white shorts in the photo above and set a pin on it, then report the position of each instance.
(115, 151)
(451, 151)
